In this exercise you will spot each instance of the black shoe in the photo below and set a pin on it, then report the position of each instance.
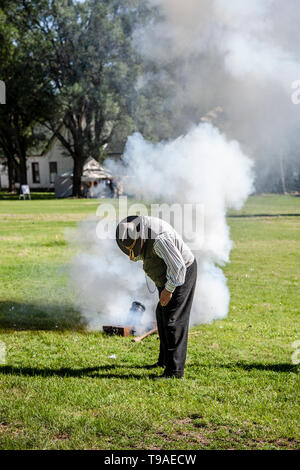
(169, 375)
(153, 366)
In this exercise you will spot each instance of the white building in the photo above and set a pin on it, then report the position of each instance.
(42, 169)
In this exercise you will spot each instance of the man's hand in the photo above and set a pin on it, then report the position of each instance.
(165, 297)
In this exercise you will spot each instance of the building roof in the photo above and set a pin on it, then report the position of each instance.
(92, 170)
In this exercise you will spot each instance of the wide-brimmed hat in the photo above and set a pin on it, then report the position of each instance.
(129, 236)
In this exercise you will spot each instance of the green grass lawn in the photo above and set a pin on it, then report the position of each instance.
(59, 388)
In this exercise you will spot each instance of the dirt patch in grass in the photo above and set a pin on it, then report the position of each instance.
(184, 432)
(232, 437)
(8, 429)
(4, 427)
(61, 436)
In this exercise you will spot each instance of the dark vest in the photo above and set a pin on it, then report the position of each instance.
(154, 266)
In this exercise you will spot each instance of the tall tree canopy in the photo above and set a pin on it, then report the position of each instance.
(71, 67)
(29, 92)
(91, 63)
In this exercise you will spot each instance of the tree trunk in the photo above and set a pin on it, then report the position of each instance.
(77, 174)
(23, 169)
(11, 175)
(23, 159)
(282, 175)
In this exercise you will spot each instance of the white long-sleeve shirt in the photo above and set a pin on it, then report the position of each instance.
(171, 248)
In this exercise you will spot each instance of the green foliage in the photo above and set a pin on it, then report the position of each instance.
(90, 59)
(29, 93)
(70, 66)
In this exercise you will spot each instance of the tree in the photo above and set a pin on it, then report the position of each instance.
(90, 61)
(77, 60)
(29, 91)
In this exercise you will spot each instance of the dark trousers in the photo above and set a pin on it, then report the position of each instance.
(173, 324)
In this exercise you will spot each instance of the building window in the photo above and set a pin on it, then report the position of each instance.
(52, 171)
(35, 173)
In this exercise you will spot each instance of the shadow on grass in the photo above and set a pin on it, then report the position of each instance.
(283, 367)
(101, 372)
(31, 316)
(273, 367)
(91, 372)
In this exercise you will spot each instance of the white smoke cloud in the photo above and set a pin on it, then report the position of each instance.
(202, 167)
(106, 283)
(245, 34)
(240, 56)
